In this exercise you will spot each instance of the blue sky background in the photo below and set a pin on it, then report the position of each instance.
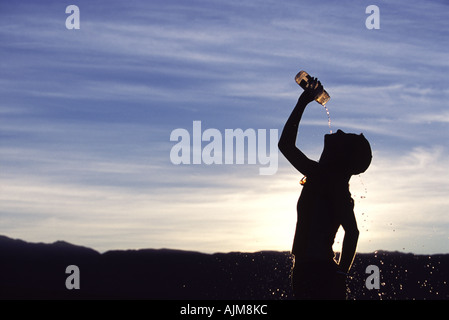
(86, 117)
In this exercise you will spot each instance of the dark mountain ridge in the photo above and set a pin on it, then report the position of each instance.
(38, 271)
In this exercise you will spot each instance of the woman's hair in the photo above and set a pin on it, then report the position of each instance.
(358, 154)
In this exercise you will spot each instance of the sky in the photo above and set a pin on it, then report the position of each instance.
(86, 118)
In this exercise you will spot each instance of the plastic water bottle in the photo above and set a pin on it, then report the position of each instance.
(302, 78)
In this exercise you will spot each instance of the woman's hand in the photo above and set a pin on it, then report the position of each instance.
(312, 90)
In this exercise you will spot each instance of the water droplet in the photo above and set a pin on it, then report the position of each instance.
(329, 118)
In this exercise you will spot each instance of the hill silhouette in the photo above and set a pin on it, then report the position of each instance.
(37, 271)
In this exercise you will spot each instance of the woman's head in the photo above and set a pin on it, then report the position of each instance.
(347, 152)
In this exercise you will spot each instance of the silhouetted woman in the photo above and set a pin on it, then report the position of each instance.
(325, 203)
